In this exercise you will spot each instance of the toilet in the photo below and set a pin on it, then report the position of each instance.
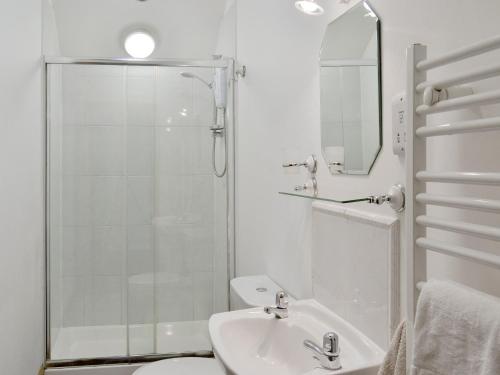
(245, 292)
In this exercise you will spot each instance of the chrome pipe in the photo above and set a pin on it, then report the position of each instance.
(221, 63)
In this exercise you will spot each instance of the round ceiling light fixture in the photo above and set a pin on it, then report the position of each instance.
(310, 7)
(139, 44)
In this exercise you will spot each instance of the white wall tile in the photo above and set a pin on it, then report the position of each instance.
(203, 99)
(140, 237)
(199, 248)
(106, 150)
(188, 198)
(76, 203)
(175, 297)
(108, 247)
(74, 94)
(139, 200)
(140, 151)
(140, 262)
(355, 268)
(140, 96)
(175, 98)
(75, 145)
(74, 295)
(105, 97)
(108, 201)
(183, 150)
(104, 305)
(141, 303)
(76, 250)
(203, 299)
(171, 249)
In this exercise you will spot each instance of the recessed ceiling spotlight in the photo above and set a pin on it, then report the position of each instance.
(139, 44)
(310, 7)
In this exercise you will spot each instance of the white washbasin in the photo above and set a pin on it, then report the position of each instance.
(250, 342)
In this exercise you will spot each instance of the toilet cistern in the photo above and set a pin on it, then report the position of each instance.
(280, 311)
(329, 355)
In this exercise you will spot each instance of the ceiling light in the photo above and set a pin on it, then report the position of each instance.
(139, 44)
(310, 7)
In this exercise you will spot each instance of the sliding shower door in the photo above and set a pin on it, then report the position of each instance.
(137, 222)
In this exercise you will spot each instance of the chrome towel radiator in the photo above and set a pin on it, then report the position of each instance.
(423, 98)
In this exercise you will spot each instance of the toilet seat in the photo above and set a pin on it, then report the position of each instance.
(182, 366)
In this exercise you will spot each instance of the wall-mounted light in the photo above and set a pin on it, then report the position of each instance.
(310, 7)
(139, 44)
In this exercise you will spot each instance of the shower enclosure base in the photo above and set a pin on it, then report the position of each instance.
(100, 370)
(111, 341)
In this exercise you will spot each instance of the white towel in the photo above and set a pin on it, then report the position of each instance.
(457, 331)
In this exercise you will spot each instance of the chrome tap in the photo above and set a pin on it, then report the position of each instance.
(329, 355)
(280, 311)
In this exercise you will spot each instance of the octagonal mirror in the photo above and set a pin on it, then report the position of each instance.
(350, 80)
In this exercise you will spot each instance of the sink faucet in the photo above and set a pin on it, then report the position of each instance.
(280, 311)
(329, 355)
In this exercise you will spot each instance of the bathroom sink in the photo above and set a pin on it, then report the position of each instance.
(250, 342)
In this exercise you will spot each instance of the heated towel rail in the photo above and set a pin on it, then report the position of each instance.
(421, 101)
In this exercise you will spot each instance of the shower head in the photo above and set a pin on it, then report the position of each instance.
(194, 76)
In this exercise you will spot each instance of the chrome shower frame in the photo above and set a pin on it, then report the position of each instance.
(229, 64)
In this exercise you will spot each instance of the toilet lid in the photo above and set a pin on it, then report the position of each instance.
(182, 366)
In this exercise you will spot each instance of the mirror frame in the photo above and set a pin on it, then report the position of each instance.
(366, 4)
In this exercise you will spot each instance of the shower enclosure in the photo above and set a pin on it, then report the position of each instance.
(138, 225)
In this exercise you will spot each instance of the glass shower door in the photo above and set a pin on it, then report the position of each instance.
(182, 279)
(137, 221)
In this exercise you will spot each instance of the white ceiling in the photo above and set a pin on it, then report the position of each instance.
(96, 28)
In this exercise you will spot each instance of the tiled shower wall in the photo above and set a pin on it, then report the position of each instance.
(139, 208)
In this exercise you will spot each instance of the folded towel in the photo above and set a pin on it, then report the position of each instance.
(395, 359)
(457, 331)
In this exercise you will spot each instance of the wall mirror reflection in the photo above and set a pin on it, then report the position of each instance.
(350, 81)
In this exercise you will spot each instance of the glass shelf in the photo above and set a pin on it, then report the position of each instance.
(319, 197)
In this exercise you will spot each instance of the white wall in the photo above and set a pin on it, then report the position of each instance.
(277, 112)
(182, 29)
(279, 109)
(21, 189)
